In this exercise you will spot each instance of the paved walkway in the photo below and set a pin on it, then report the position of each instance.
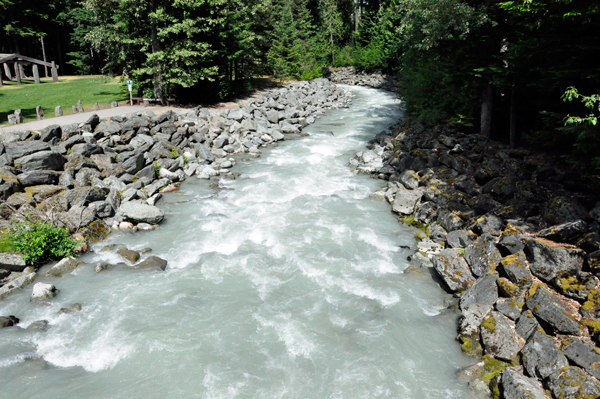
(82, 117)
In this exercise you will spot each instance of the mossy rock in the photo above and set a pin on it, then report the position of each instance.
(95, 231)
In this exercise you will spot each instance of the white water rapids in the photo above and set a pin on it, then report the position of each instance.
(285, 283)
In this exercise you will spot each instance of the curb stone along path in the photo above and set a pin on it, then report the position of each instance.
(522, 252)
(102, 174)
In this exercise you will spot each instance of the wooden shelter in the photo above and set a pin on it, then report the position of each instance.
(19, 61)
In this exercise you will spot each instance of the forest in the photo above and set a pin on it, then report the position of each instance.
(523, 72)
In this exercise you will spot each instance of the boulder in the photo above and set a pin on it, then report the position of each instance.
(8, 321)
(566, 232)
(563, 210)
(510, 307)
(139, 212)
(39, 177)
(549, 308)
(577, 285)
(499, 337)
(409, 179)
(458, 239)
(490, 224)
(453, 270)
(573, 383)
(12, 262)
(16, 284)
(135, 163)
(20, 149)
(582, 354)
(515, 267)
(516, 386)
(43, 291)
(484, 292)
(547, 258)
(128, 255)
(483, 256)
(449, 220)
(152, 262)
(50, 132)
(406, 200)
(526, 325)
(43, 160)
(510, 244)
(66, 265)
(541, 357)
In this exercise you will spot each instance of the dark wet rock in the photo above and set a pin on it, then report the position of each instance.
(12, 262)
(549, 308)
(573, 383)
(152, 262)
(577, 285)
(563, 210)
(582, 354)
(541, 357)
(515, 385)
(510, 307)
(489, 224)
(547, 258)
(128, 255)
(566, 232)
(38, 326)
(501, 188)
(515, 267)
(458, 239)
(43, 160)
(589, 242)
(510, 244)
(484, 292)
(483, 256)
(453, 270)
(8, 321)
(449, 221)
(499, 337)
(76, 307)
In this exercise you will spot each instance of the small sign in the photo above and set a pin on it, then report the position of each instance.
(130, 85)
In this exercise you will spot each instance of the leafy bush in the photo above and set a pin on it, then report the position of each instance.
(41, 241)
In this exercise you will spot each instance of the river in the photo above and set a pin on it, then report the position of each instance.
(287, 282)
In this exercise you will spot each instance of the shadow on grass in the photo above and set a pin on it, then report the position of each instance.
(28, 115)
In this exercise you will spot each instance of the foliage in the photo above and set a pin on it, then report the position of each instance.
(41, 241)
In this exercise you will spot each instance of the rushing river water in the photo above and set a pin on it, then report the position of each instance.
(285, 283)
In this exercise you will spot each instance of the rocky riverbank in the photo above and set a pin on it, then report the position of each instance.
(350, 76)
(109, 174)
(516, 240)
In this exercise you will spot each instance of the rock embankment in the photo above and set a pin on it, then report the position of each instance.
(105, 174)
(377, 80)
(517, 240)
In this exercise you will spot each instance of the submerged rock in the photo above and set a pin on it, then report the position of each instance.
(152, 262)
(66, 265)
(128, 255)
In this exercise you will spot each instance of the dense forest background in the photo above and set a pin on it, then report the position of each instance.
(524, 72)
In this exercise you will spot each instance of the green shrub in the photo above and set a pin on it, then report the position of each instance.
(41, 241)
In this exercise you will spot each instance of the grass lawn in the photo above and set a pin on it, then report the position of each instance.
(65, 93)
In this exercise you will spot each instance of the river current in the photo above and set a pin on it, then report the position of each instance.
(287, 282)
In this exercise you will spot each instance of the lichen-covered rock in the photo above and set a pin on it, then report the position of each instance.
(549, 308)
(510, 244)
(152, 262)
(406, 200)
(409, 179)
(449, 220)
(43, 291)
(562, 210)
(515, 267)
(507, 288)
(516, 386)
(573, 383)
(541, 357)
(482, 256)
(458, 239)
(95, 232)
(577, 285)
(66, 265)
(484, 292)
(510, 307)
(499, 337)
(489, 224)
(526, 325)
(582, 354)
(453, 270)
(43, 160)
(547, 258)
(566, 232)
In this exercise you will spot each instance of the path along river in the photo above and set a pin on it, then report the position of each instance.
(285, 283)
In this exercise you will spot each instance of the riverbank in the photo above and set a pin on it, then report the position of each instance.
(109, 174)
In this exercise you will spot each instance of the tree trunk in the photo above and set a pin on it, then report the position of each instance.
(157, 73)
(513, 117)
(487, 102)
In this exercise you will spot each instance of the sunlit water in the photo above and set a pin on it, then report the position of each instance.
(286, 283)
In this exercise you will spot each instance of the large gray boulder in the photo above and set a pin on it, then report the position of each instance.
(549, 308)
(135, 163)
(66, 265)
(458, 239)
(453, 270)
(541, 357)
(43, 160)
(406, 200)
(20, 149)
(16, 284)
(515, 267)
(526, 325)
(43, 291)
(39, 177)
(573, 383)
(516, 386)
(50, 132)
(566, 232)
(12, 262)
(548, 258)
(482, 256)
(510, 244)
(139, 212)
(484, 292)
(582, 354)
(499, 337)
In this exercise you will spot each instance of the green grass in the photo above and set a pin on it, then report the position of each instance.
(65, 93)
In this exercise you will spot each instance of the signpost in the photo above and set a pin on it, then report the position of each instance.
(130, 87)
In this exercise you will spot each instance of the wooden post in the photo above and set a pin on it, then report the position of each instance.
(36, 74)
(486, 111)
(54, 72)
(17, 72)
(44, 54)
(7, 71)
(1, 79)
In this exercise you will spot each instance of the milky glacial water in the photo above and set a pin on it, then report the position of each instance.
(285, 283)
